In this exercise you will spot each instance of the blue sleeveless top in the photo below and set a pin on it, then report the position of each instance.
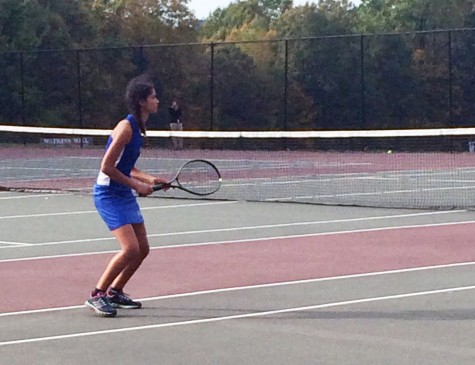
(127, 159)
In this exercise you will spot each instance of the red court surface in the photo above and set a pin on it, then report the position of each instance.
(189, 269)
(351, 286)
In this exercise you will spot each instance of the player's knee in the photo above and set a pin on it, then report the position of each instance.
(144, 252)
(132, 254)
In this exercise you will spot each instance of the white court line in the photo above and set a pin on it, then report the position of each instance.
(259, 286)
(452, 181)
(377, 193)
(34, 196)
(375, 175)
(228, 242)
(239, 316)
(95, 211)
(17, 244)
(270, 226)
(47, 214)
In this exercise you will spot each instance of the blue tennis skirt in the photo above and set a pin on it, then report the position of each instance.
(117, 208)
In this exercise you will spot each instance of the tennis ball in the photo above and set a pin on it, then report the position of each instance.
(390, 151)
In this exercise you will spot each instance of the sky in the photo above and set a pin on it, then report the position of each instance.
(203, 8)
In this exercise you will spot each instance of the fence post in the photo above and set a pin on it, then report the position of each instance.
(451, 121)
(22, 91)
(211, 88)
(363, 86)
(286, 80)
(78, 73)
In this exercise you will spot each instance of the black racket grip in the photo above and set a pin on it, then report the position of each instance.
(161, 186)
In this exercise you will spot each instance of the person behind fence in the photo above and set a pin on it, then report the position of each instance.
(117, 204)
(176, 123)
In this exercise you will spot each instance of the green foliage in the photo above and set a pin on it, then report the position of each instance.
(254, 14)
(146, 21)
(412, 15)
(275, 68)
(325, 86)
(238, 91)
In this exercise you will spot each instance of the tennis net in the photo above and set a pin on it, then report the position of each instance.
(419, 168)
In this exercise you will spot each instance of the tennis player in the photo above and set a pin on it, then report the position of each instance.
(117, 204)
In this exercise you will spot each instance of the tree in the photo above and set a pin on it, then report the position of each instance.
(429, 63)
(48, 78)
(463, 64)
(323, 69)
(256, 14)
(142, 22)
(152, 29)
(240, 96)
(412, 15)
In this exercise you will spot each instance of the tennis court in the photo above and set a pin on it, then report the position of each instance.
(378, 269)
(234, 282)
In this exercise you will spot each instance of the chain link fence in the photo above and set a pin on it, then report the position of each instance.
(382, 81)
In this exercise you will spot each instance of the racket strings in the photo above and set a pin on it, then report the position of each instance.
(199, 177)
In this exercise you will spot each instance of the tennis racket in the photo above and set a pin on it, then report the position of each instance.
(198, 177)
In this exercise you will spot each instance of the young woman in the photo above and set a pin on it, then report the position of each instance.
(117, 204)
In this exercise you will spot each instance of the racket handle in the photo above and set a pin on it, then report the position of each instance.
(161, 186)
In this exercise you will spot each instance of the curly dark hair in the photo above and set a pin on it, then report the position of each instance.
(138, 89)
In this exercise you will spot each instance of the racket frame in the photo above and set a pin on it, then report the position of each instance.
(175, 182)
